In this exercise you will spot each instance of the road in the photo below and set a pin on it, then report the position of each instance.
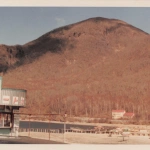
(26, 140)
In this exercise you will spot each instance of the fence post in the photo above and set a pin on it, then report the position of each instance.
(49, 126)
(29, 126)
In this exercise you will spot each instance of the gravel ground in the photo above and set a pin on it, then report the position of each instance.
(73, 138)
(87, 138)
(105, 139)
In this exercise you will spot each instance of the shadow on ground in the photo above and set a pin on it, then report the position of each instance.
(26, 140)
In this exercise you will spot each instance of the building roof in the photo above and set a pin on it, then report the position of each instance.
(118, 110)
(128, 114)
(14, 89)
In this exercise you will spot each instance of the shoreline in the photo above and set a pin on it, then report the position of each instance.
(78, 123)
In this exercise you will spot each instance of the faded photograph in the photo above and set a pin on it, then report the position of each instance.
(74, 75)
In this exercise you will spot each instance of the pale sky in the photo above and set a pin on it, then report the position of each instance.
(19, 25)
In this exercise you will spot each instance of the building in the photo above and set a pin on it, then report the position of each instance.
(11, 100)
(128, 115)
(118, 114)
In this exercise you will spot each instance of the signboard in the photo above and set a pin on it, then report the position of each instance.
(16, 120)
(22, 101)
(15, 100)
(6, 99)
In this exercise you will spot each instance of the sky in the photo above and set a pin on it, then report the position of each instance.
(20, 25)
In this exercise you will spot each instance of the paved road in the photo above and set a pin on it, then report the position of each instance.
(44, 125)
(26, 140)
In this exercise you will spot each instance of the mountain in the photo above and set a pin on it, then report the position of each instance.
(87, 69)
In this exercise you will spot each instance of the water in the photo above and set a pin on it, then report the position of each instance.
(44, 125)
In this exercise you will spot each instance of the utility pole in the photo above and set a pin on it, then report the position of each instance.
(29, 125)
(49, 126)
(65, 116)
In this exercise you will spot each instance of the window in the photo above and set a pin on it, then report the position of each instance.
(5, 120)
(1, 120)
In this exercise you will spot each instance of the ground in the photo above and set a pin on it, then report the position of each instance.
(87, 138)
(25, 140)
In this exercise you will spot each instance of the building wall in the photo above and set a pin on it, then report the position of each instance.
(0, 87)
(13, 97)
(10, 101)
(128, 117)
(117, 115)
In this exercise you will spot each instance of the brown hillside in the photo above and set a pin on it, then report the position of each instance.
(87, 68)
